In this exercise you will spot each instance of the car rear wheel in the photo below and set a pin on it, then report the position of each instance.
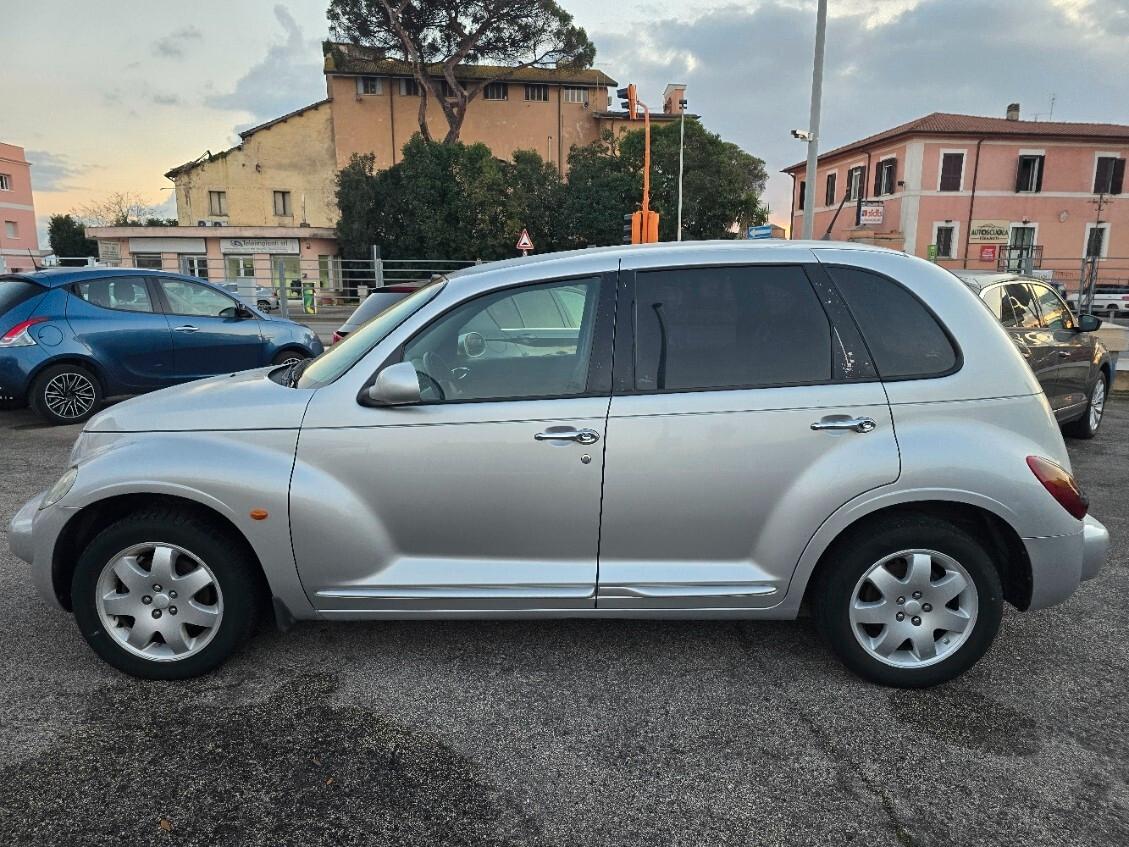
(289, 357)
(1087, 425)
(66, 394)
(912, 603)
(163, 594)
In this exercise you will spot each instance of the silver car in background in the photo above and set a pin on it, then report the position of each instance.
(727, 430)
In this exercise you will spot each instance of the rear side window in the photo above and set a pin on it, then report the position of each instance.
(13, 292)
(126, 294)
(904, 338)
(729, 327)
(1022, 304)
(999, 305)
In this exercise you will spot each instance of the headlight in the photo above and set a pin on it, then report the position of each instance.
(59, 490)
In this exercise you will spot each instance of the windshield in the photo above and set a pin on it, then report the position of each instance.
(339, 358)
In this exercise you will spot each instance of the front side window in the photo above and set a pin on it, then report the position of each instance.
(729, 327)
(904, 338)
(533, 342)
(282, 206)
(1053, 312)
(1029, 173)
(189, 298)
(496, 91)
(126, 294)
(537, 92)
(217, 202)
(1021, 303)
(149, 261)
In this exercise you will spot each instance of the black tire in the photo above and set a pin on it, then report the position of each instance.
(1084, 427)
(854, 554)
(233, 567)
(264, 305)
(78, 383)
(288, 356)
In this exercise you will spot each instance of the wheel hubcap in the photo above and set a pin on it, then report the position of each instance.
(69, 395)
(913, 608)
(159, 601)
(1097, 403)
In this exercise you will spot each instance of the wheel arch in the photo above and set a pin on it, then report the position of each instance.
(1002, 543)
(69, 359)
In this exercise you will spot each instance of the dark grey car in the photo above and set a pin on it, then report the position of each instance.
(1072, 365)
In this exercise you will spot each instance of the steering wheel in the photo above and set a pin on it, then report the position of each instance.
(439, 372)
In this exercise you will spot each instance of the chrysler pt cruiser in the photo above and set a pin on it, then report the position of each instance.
(709, 430)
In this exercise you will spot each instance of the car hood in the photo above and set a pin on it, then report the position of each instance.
(239, 401)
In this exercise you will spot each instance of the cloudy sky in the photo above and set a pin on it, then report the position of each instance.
(107, 97)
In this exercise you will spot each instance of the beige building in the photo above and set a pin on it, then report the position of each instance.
(282, 173)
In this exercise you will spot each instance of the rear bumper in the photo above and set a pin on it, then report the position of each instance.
(16, 367)
(1059, 563)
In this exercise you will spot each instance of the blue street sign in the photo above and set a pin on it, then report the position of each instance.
(764, 231)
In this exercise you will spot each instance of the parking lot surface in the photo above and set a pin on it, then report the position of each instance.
(567, 732)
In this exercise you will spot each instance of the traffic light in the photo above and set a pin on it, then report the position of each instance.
(641, 228)
(629, 228)
(650, 228)
(630, 101)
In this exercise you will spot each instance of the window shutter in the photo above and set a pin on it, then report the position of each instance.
(1103, 174)
(878, 180)
(1019, 174)
(951, 165)
(1118, 180)
(803, 192)
(1039, 174)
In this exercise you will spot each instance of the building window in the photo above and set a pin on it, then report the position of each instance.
(409, 88)
(1097, 241)
(539, 93)
(885, 177)
(803, 194)
(149, 261)
(944, 239)
(217, 202)
(952, 171)
(282, 206)
(240, 267)
(1109, 175)
(854, 182)
(369, 85)
(5, 182)
(11, 229)
(194, 266)
(576, 95)
(496, 91)
(829, 194)
(1029, 173)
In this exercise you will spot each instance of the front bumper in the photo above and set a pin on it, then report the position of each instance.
(1060, 562)
(32, 534)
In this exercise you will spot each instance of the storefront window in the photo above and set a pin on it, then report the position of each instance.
(285, 272)
(150, 261)
(240, 267)
(194, 266)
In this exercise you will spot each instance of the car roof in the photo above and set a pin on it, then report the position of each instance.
(58, 277)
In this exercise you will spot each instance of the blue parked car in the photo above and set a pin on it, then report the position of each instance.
(71, 337)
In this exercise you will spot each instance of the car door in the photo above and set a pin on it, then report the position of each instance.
(746, 411)
(1037, 344)
(116, 319)
(483, 497)
(1073, 349)
(209, 335)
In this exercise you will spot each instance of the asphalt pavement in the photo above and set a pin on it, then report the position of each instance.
(567, 732)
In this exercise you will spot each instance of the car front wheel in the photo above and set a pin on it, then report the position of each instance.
(912, 603)
(164, 594)
(66, 394)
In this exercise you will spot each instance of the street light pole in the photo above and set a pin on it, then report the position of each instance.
(681, 146)
(813, 120)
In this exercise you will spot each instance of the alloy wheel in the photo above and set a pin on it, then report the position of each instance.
(159, 601)
(913, 608)
(1097, 404)
(69, 395)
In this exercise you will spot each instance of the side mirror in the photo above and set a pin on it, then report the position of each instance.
(1088, 323)
(396, 385)
(243, 313)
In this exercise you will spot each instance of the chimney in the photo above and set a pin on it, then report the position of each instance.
(672, 97)
(1013, 111)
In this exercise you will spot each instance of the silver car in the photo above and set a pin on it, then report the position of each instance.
(702, 430)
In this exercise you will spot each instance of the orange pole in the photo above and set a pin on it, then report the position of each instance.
(646, 160)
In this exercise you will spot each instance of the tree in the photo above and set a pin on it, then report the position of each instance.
(436, 37)
(536, 193)
(67, 238)
(601, 189)
(722, 184)
(122, 208)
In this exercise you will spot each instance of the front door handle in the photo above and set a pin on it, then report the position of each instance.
(853, 424)
(580, 436)
(1062, 354)
(187, 328)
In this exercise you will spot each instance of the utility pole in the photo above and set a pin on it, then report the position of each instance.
(681, 147)
(1090, 262)
(813, 120)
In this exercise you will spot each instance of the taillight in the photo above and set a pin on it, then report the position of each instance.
(1060, 484)
(18, 336)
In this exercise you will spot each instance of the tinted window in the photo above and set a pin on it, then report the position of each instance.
(1054, 312)
(188, 298)
(729, 328)
(904, 338)
(127, 294)
(16, 291)
(512, 344)
(1026, 314)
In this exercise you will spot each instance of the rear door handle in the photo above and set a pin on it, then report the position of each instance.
(854, 424)
(187, 328)
(580, 436)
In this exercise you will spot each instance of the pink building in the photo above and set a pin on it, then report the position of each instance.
(981, 193)
(19, 242)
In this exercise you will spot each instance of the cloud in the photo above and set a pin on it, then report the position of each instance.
(166, 99)
(288, 77)
(52, 171)
(937, 55)
(172, 46)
